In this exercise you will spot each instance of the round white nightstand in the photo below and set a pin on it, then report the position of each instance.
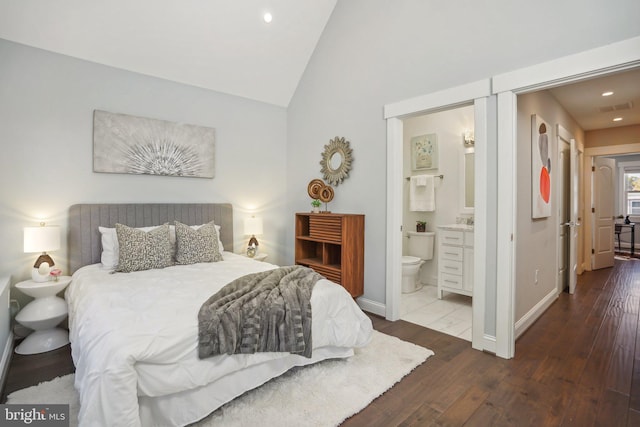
(42, 315)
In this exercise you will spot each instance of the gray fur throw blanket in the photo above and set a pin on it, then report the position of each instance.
(260, 312)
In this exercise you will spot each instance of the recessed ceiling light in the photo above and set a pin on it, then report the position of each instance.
(609, 93)
(267, 17)
(617, 119)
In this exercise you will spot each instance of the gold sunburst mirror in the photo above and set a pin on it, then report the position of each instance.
(336, 161)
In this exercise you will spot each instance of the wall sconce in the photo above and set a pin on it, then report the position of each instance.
(41, 239)
(468, 138)
(252, 226)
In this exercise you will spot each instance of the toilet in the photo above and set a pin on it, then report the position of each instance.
(420, 249)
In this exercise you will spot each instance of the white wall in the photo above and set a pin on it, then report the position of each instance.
(46, 107)
(375, 52)
(448, 126)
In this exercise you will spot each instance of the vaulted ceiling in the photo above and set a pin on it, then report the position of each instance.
(222, 45)
(226, 46)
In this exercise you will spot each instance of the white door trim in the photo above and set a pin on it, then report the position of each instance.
(394, 217)
(437, 101)
(476, 93)
(481, 113)
(600, 61)
(563, 136)
(506, 237)
(589, 154)
(615, 57)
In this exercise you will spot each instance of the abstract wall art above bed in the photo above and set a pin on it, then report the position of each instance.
(138, 145)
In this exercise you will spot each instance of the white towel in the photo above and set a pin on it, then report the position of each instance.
(421, 180)
(422, 197)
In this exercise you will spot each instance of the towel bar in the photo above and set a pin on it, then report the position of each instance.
(435, 176)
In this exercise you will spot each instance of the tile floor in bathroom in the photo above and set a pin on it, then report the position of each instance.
(451, 315)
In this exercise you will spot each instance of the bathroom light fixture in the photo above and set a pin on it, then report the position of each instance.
(468, 138)
(252, 226)
(617, 119)
(608, 93)
(41, 239)
(267, 17)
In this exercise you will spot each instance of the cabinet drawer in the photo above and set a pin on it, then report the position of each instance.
(330, 273)
(453, 253)
(451, 281)
(325, 227)
(451, 267)
(452, 237)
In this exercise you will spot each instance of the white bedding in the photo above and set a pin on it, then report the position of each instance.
(134, 339)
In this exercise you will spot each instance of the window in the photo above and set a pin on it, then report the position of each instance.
(632, 193)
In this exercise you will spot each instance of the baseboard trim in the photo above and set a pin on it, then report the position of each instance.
(372, 307)
(6, 360)
(532, 315)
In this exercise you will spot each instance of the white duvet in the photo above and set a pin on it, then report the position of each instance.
(136, 335)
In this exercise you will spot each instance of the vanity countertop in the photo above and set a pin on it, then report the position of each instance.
(459, 227)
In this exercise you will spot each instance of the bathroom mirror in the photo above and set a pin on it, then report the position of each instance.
(336, 161)
(467, 181)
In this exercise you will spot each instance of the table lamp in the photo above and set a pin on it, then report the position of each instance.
(252, 226)
(41, 239)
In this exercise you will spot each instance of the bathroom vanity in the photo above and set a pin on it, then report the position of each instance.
(455, 259)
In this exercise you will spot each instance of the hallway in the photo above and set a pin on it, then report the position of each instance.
(578, 365)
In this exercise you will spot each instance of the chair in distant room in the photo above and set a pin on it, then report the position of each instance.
(618, 230)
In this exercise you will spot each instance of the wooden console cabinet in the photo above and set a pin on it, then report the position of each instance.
(332, 245)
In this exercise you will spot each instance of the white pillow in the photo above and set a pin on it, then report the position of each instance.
(110, 248)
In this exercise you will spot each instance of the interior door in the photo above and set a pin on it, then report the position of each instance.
(574, 220)
(603, 212)
(564, 212)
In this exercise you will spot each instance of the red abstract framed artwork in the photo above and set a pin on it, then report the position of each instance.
(540, 168)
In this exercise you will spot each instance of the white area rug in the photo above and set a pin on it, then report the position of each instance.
(324, 394)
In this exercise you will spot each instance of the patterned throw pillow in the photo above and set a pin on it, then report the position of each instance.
(193, 246)
(140, 250)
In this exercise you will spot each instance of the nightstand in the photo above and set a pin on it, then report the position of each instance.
(259, 257)
(42, 315)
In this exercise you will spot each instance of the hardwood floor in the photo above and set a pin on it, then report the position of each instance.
(579, 365)
(25, 371)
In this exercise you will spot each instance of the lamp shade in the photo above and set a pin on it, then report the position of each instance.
(252, 226)
(41, 239)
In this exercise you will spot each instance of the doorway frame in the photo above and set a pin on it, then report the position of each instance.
(562, 134)
(476, 94)
(589, 155)
(601, 61)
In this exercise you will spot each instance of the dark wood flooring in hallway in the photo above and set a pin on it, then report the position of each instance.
(578, 365)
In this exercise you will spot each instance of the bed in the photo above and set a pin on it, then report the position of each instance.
(134, 336)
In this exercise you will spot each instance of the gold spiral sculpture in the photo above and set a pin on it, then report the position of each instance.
(318, 190)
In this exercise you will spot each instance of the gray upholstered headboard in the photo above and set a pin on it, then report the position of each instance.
(84, 238)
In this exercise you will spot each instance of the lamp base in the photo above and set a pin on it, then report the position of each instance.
(37, 274)
(42, 268)
(251, 251)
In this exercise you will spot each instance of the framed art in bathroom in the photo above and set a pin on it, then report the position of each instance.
(424, 152)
